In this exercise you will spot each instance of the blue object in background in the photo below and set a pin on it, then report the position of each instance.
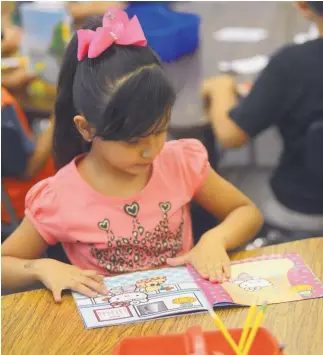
(162, 3)
(169, 33)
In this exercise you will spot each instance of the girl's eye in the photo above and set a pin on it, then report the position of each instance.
(133, 141)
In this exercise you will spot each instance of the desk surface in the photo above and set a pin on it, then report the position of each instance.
(32, 322)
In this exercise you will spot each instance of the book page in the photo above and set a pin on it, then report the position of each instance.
(271, 279)
(213, 292)
(142, 296)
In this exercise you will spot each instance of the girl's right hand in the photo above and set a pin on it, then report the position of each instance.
(58, 276)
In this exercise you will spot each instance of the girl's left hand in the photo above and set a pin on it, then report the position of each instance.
(208, 257)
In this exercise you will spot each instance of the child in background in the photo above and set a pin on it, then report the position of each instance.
(24, 160)
(120, 202)
(288, 94)
(13, 78)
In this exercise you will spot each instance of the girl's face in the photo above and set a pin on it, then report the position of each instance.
(134, 157)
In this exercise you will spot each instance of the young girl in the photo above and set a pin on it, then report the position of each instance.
(120, 202)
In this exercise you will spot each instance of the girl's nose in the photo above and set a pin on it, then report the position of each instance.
(146, 153)
(150, 147)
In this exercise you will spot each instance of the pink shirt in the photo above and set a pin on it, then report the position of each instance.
(115, 235)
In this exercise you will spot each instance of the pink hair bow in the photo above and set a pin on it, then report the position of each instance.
(116, 28)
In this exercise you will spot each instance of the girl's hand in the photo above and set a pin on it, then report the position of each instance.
(208, 257)
(58, 276)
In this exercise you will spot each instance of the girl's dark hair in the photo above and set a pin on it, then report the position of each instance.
(123, 93)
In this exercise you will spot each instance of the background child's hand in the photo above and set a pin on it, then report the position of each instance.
(57, 276)
(208, 257)
(16, 79)
(217, 83)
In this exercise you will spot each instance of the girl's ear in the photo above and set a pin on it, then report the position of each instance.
(85, 128)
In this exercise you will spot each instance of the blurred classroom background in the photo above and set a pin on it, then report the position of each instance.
(250, 167)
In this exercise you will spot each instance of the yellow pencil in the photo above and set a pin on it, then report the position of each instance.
(253, 333)
(224, 331)
(247, 326)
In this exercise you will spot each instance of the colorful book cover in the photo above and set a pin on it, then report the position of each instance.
(170, 292)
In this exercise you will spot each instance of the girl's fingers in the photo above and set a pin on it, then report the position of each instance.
(84, 290)
(93, 285)
(216, 272)
(202, 270)
(57, 294)
(93, 275)
(227, 269)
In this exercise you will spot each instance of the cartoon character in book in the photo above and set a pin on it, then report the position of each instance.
(118, 290)
(151, 285)
(126, 296)
(251, 283)
(304, 291)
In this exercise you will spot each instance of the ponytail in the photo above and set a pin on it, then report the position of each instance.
(68, 142)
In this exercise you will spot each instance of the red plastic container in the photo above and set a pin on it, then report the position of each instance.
(184, 344)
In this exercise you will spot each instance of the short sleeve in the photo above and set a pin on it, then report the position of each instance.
(42, 210)
(194, 164)
(269, 98)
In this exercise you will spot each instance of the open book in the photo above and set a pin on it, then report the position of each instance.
(176, 291)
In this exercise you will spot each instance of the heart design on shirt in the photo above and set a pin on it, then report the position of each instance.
(104, 225)
(132, 210)
(165, 206)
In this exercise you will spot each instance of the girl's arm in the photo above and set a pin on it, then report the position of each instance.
(20, 256)
(240, 222)
(241, 219)
(21, 265)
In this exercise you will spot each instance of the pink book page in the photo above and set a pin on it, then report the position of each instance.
(214, 293)
(271, 278)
